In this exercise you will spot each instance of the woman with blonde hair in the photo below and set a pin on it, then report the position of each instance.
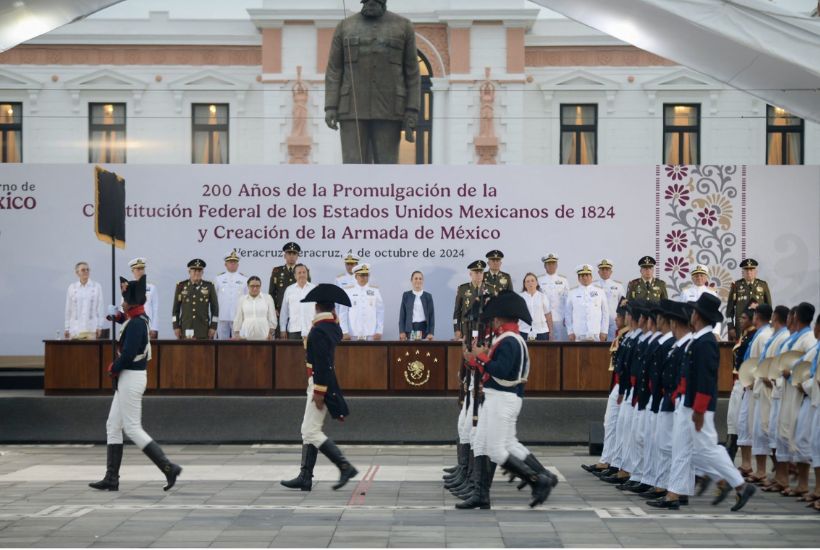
(539, 307)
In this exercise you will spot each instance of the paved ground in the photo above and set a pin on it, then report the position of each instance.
(229, 496)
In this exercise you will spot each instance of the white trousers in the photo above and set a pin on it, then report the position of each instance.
(682, 472)
(801, 450)
(760, 439)
(635, 460)
(710, 457)
(744, 434)
(224, 330)
(774, 414)
(734, 408)
(125, 414)
(312, 421)
(496, 431)
(649, 475)
(465, 423)
(610, 426)
(664, 434)
(622, 434)
(815, 439)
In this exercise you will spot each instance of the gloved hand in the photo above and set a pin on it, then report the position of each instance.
(112, 310)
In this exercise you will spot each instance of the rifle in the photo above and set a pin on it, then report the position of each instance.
(476, 311)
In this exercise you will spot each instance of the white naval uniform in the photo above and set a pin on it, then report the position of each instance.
(255, 317)
(229, 288)
(345, 279)
(587, 313)
(556, 288)
(84, 309)
(691, 294)
(295, 315)
(614, 291)
(365, 316)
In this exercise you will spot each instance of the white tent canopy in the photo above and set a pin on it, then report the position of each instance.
(750, 45)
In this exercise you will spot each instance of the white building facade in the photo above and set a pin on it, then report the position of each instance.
(180, 88)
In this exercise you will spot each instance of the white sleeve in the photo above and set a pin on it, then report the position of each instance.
(239, 318)
(379, 313)
(98, 307)
(568, 317)
(154, 315)
(604, 316)
(284, 313)
(68, 308)
(272, 321)
(344, 323)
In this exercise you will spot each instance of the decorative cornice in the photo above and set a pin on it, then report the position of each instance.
(591, 56)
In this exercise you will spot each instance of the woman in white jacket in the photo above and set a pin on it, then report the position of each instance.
(539, 307)
(255, 314)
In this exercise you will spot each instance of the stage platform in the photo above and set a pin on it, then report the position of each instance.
(31, 417)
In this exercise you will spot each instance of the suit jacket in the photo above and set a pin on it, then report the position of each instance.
(406, 312)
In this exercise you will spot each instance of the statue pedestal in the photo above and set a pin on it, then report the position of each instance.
(299, 149)
(487, 149)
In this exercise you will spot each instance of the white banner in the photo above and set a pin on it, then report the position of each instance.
(436, 219)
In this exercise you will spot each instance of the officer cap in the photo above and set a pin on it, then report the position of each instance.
(507, 304)
(605, 263)
(584, 269)
(325, 292)
(495, 255)
(350, 258)
(292, 247)
(749, 263)
(232, 257)
(700, 268)
(137, 263)
(134, 291)
(361, 269)
(647, 261)
(196, 263)
(708, 306)
(478, 265)
(549, 258)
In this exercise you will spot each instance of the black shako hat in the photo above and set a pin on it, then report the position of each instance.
(134, 291)
(708, 306)
(507, 304)
(327, 293)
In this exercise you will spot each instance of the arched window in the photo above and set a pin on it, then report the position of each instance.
(421, 152)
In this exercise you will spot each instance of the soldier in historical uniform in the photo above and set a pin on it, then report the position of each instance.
(743, 292)
(614, 292)
(230, 286)
(646, 287)
(468, 297)
(347, 278)
(283, 276)
(495, 279)
(196, 306)
(372, 84)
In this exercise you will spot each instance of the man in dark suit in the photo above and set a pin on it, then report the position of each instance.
(417, 319)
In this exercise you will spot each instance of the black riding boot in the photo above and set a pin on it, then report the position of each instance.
(304, 481)
(480, 497)
(731, 446)
(171, 470)
(463, 458)
(539, 468)
(462, 476)
(459, 464)
(346, 470)
(470, 485)
(111, 481)
(541, 484)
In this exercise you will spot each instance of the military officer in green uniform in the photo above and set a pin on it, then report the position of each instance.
(470, 299)
(196, 308)
(283, 276)
(494, 279)
(646, 287)
(743, 292)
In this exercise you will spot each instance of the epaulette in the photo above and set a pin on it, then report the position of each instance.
(619, 282)
(340, 275)
(349, 286)
(374, 286)
(221, 274)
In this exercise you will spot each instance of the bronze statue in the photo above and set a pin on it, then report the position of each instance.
(372, 84)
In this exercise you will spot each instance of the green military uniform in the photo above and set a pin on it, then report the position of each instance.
(497, 282)
(282, 277)
(470, 301)
(653, 290)
(742, 293)
(195, 305)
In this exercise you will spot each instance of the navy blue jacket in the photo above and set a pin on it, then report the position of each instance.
(659, 359)
(133, 341)
(406, 312)
(320, 352)
(701, 382)
(622, 361)
(505, 364)
(644, 371)
(670, 376)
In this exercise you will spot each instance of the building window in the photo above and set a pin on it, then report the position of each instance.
(210, 133)
(579, 134)
(11, 132)
(681, 134)
(106, 130)
(421, 152)
(784, 137)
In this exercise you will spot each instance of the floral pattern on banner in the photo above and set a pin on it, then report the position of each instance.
(700, 209)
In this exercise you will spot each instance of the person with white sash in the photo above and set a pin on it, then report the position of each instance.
(743, 433)
(504, 369)
(761, 394)
(812, 389)
(128, 372)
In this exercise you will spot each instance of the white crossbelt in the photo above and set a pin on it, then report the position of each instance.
(523, 367)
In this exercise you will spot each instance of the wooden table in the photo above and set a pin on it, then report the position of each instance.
(364, 368)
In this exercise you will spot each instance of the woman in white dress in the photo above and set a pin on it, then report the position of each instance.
(539, 306)
(255, 314)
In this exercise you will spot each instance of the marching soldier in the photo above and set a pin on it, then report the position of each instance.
(347, 279)
(230, 286)
(614, 292)
(743, 292)
(555, 286)
(283, 276)
(495, 279)
(468, 296)
(196, 306)
(364, 320)
(646, 287)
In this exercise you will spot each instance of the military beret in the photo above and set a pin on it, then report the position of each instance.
(137, 263)
(549, 258)
(196, 263)
(605, 263)
(291, 247)
(647, 261)
(478, 265)
(700, 268)
(749, 263)
(495, 255)
(232, 257)
(584, 269)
